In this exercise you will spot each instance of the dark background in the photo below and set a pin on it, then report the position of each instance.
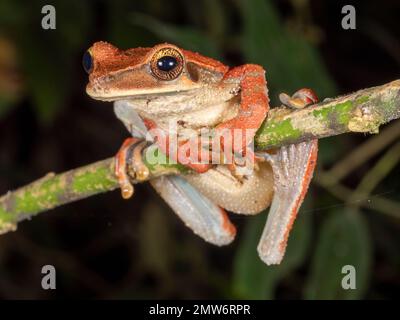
(105, 247)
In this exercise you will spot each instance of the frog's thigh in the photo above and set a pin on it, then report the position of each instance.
(250, 196)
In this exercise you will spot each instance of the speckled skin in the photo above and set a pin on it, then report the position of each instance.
(207, 94)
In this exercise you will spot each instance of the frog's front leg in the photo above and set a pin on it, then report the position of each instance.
(254, 106)
(131, 149)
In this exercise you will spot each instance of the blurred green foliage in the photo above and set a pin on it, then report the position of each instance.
(234, 31)
(344, 241)
(46, 68)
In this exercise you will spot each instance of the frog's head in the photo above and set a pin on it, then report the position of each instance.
(164, 69)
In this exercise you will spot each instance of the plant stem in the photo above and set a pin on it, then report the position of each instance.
(363, 111)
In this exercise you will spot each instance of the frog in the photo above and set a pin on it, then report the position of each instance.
(154, 87)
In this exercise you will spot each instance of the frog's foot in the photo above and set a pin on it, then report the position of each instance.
(130, 153)
(292, 167)
(299, 99)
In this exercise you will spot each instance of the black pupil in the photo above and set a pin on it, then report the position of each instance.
(87, 62)
(166, 63)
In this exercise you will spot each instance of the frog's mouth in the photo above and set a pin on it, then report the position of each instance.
(104, 94)
(139, 96)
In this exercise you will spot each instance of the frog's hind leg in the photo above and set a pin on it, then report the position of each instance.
(293, 167)
(206, 219)
(248, 195)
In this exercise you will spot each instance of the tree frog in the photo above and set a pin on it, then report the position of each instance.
(153, 88)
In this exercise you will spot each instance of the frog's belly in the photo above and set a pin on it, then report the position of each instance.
(250, 196)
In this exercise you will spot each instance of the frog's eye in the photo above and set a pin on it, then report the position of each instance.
(167, 64)
(87, 62)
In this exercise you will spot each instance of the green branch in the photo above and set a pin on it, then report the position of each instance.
(363, 111)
